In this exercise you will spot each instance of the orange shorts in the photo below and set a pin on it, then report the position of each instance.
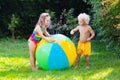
(84, 48)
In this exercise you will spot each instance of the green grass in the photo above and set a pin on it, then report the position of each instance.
(15, 65)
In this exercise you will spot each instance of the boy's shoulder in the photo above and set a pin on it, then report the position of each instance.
(88, 26)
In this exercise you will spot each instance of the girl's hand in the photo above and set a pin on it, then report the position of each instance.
(51, 40)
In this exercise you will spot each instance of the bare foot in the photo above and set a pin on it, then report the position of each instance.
(76, 67)
(87, 67)
(34, 69)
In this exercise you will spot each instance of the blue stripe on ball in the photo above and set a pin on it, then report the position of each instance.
(57, 58)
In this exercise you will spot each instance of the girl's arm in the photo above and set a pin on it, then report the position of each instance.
(46, 33)
(74, 30)
(38, 29)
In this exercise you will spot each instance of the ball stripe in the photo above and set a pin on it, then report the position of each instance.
(71, 54)
(43, 55)
(40, 44)
(56, 62)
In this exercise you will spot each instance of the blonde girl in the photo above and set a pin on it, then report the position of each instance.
(39, 32)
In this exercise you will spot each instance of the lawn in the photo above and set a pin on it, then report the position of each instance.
(15, 65)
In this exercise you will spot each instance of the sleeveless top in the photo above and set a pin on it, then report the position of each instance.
(35, 37)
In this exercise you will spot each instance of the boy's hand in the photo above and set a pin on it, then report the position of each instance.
(71, 32)
(88, 39)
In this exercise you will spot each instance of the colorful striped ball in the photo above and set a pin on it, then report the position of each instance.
(56, 55)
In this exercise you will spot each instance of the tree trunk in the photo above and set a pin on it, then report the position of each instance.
(13, 35)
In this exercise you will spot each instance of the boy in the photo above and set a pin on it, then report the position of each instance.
(86, 34)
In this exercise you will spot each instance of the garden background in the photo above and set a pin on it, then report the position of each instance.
(19, 17)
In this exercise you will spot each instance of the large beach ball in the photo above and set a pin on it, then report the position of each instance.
(56, 55)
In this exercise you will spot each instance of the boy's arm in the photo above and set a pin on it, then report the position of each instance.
(74, 30)
(92, 34)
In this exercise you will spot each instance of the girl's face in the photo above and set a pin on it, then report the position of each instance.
(47, 21)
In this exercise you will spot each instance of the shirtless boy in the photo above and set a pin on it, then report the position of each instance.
(86, 34)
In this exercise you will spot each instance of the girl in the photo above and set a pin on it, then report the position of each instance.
(39, 33)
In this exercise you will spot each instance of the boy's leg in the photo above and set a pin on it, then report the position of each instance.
(32, 48)
(87, 51)
(87, 61)
(77, 60)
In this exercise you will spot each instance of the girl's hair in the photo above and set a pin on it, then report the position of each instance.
(42, 18)
(84, 17)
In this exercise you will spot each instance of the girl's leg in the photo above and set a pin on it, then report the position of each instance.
(32, 48)
(87, 61)
(77, 60)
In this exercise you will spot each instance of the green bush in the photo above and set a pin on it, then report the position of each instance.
(64, 28)
(14, 22)
(106, 17)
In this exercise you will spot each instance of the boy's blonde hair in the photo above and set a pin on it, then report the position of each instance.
(84, 17)
(42, 17)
